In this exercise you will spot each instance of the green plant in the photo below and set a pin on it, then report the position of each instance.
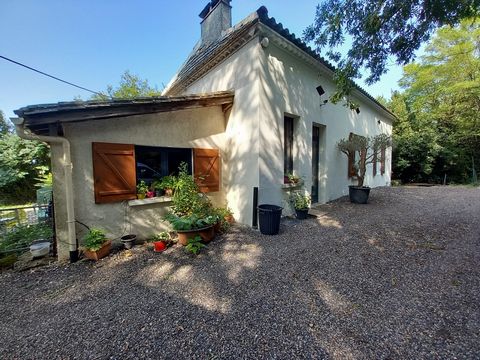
(167, 182)
(195, 245)
(94, 239)
(292, 179)
(22, 236)
(300, 200)
(367, 149)
(142, 188)
(189, 222)
(188, 199)
(163, 236)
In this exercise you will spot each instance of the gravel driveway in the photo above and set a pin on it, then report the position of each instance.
(395, 279)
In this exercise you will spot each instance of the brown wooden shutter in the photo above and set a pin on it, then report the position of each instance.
(351, 160)
(206, 169)
(374, 162)
(114, 172)
(382, 161)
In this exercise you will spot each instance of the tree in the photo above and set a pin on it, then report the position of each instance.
(21, 163)
(380, 29)
(131, 86)
(438, 127)
(367, 149)
(5, 125)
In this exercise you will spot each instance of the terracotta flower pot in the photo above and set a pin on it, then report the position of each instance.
(217, 227)
(207, 234)
(230, 219)
(168, 192)
(159, 246)
(100, 253)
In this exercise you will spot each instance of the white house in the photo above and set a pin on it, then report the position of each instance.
(247, 106)
(280, 121)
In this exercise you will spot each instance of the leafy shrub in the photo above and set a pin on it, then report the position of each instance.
(22, 236)
(195, 245)
(300, 200)
(94, 239)
(189, 222)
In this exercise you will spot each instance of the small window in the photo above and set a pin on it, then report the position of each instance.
(288, 145)
(153, 163)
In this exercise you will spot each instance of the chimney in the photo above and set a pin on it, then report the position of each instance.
(216, 18)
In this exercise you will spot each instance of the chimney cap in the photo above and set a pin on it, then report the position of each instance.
(211, 4)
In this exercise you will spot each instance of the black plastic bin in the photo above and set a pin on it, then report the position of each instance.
(269, 218)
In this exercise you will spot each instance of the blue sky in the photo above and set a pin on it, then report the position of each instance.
(91, 43)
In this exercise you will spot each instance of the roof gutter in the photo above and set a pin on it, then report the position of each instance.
(67, 168)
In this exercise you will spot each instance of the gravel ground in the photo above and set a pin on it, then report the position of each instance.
(395, 279)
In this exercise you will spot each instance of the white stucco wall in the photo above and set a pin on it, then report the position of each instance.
(239, 72)
(270, 83)
(288, 87)
(196, 128)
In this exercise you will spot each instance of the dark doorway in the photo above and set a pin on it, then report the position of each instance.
(315, 162)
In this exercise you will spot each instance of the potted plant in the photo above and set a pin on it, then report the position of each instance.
(290, 178)
(128, 241)
(157, 188)
(168, 184)
(96, 245)
(189, 226)
(161, 241)
(362, 151)
(301, 202)
(142, 190)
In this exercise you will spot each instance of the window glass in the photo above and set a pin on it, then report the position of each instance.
(288, 146)
(153, 163)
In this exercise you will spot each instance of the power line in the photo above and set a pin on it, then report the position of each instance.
(51, 76)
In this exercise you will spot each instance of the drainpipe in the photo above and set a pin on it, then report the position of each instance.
(67, 168)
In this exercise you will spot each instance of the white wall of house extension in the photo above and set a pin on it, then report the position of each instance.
(195, 128)
(288, 87)
(239, 72)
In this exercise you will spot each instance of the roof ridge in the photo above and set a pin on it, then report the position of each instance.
(285, 32)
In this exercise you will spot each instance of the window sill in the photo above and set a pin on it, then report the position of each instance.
(150, 201)
(292, 186)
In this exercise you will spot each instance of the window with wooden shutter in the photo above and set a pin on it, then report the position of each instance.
(382, 161)
(113, 172)
(206, 167)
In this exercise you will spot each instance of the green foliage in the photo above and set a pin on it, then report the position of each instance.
(21, 163)
(300, 200)
(167, 182)
(5, 124)
(142, 188)
(366, 148)
(195, 245)
(379, 31)
(163, 236)
(23, 235)
(131, 86)
(292, 179)
(438, 128)
(94, 239)
(189, 222)
(188, 199)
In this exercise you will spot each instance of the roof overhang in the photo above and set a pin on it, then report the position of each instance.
(38, 118)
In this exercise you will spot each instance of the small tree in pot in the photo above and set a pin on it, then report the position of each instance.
(363, 151)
